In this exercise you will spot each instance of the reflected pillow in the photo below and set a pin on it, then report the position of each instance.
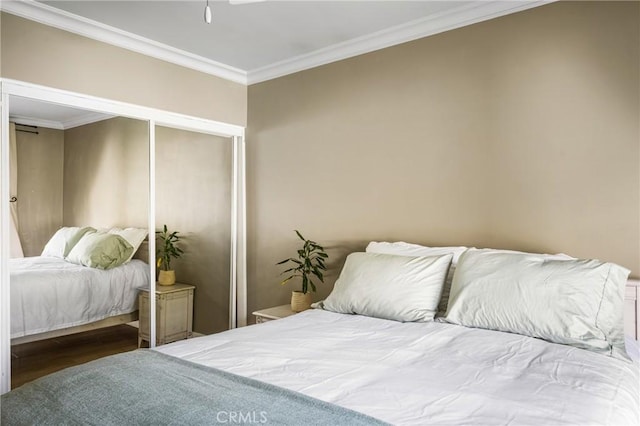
(134, 236)
(573, 302)
(407, 249)
(101, 251)
(399, 288)
(64, 240)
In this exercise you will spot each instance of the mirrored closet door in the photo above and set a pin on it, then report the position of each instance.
(91, 175)
(80, 209)
(193, 196)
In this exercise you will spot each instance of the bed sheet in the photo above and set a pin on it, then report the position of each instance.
(425, 373)
(48, 293)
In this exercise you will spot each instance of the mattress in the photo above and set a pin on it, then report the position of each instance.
(418, 373)
(48, 293)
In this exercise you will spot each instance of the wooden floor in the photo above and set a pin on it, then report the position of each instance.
(32, 360)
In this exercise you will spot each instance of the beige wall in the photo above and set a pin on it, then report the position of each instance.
(40, 186)
(106, 174)
(48, 56)
(519, 132)
(193, 196)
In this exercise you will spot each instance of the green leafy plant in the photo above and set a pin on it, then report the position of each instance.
(167, 248)
(310, 262)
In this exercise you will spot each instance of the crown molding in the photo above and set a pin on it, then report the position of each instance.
(63, 20)
(38, 122)
(461, 16)
(92, 117)
(467, 14)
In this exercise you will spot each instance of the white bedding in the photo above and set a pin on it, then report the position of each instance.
(48, 293)
(419, 373)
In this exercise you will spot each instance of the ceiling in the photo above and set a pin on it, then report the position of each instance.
(253, 35)
(256, 41)
(53, 116)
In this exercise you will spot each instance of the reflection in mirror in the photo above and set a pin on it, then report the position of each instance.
(78, 174)
(193, 197)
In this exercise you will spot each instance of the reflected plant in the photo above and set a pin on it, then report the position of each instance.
(167, 248)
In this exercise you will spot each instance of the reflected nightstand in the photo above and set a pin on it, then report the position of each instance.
(174, 313)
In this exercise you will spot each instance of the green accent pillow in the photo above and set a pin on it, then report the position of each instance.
(101, 251)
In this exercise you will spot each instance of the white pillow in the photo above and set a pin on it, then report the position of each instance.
(64, 240)
(558, 256)
(134, 236)
(399, 288)
(573, 302)
(407, 249)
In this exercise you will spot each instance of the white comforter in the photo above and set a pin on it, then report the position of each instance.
(426, 373)
(48, 293)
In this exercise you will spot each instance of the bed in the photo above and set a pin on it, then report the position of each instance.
(49, 294)
(327, 367)
(425, 373)
(58, 293)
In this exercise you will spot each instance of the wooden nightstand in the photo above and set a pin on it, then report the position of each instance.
(174, 313)
(275, 313)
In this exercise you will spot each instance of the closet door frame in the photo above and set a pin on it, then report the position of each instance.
(154, 117)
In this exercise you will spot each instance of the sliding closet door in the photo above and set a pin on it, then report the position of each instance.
(84, 169)
(108, 177)
(194, 196)
(106, 186)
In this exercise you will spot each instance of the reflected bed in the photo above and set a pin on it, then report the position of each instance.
(50, 294)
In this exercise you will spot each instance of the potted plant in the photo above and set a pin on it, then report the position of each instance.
(166, 250)
(308, 264)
